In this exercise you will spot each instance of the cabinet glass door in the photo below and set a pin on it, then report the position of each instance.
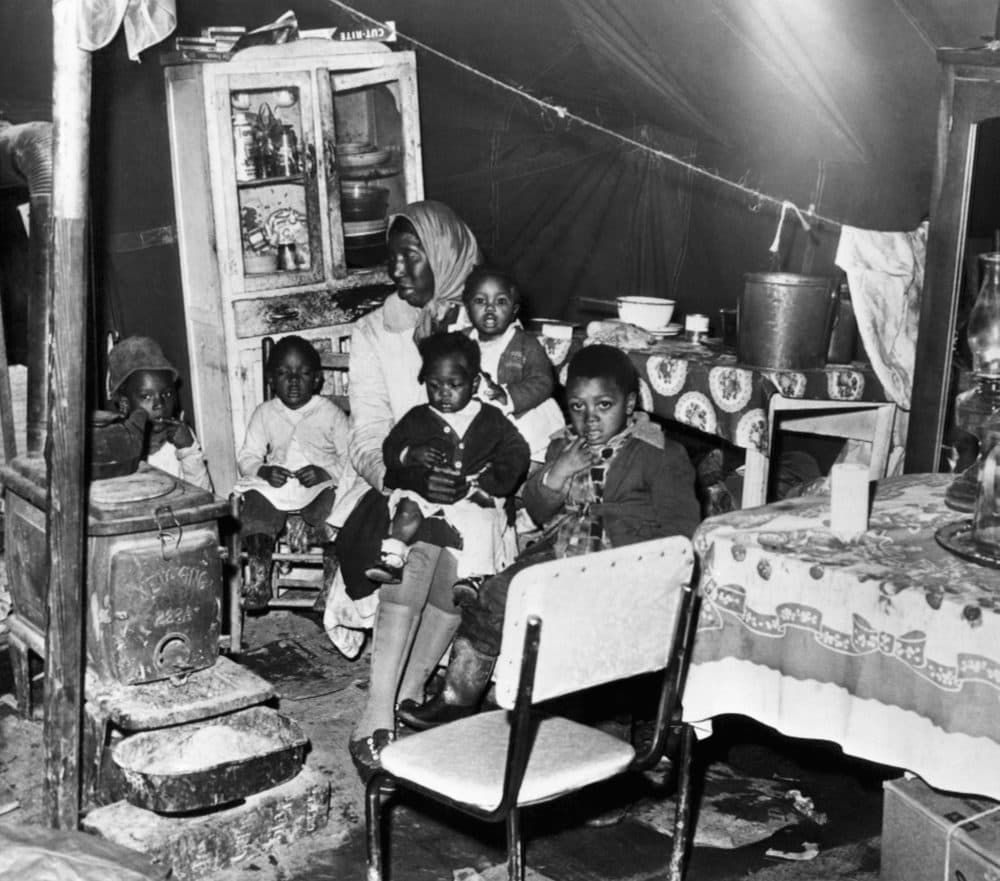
(275, 193)
(373, 159)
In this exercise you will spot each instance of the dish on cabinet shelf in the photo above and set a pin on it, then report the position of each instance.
(363, 160)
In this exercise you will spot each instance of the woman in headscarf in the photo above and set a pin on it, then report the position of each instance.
(431, 251)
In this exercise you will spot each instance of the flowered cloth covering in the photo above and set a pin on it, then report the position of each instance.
(704, 387)
(889, 646)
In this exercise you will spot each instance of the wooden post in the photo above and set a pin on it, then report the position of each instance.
(66, 512)
(6, 405)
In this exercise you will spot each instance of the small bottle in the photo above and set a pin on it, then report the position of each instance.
(287, 258)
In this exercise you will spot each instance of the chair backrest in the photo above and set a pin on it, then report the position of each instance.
(605, 616)
(334, 348)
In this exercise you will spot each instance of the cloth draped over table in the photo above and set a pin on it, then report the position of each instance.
(147, 22)
(885, 271)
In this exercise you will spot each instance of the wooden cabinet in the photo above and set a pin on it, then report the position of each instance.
(286, 161)
(970, 95)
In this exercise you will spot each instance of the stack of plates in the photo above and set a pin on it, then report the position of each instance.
(365, 228)
(364, 242)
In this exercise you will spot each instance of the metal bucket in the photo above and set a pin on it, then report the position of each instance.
(784, 320)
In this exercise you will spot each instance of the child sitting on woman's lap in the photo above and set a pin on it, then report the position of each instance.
(292, 458)
(457, 434)
(516, 373)
(141, 378)
(610, 479)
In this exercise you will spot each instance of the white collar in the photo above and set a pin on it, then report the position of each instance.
(504, 338)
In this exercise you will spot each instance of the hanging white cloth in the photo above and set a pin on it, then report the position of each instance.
(147, 22)
(885, 271)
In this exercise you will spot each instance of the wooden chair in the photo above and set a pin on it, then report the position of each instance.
(570, 625)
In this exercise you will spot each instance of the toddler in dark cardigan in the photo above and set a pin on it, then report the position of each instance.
(610, 479)
(452, 432)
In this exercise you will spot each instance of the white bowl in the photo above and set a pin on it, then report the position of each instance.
(650, 313)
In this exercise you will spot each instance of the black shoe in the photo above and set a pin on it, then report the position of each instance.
(465, 591)
(465, 682)
(366, 751)
(430, 714)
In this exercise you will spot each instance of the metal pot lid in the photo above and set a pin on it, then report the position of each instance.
(147, 483)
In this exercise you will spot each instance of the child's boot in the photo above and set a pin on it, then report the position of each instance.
(465, 591)
(329, 573)
(295, 534)
(465, 683)
(257, 588)
(388, 569)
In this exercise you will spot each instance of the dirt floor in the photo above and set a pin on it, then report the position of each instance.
(746, 803)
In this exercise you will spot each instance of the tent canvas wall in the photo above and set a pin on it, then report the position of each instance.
(824, 102)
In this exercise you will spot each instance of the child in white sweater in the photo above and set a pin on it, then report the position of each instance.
(292, 459)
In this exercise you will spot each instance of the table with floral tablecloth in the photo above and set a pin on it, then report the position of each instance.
(888, 646)
(703, 386)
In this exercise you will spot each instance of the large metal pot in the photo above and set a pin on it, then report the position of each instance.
(784, 320)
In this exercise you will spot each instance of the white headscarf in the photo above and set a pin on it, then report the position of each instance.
(452, 252)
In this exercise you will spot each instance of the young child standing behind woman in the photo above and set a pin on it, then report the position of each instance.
(452, 432)
(516, 372)
(141, 377)
(292, 458)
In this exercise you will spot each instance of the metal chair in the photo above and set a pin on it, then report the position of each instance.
(570, 625)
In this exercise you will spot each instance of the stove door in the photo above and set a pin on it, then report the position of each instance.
(156, 603)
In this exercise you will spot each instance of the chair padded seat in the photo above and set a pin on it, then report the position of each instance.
(465, 760)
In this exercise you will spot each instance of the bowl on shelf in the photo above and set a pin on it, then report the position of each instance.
(353, 148)
(360, 201)
(368, 159)
(649, 313)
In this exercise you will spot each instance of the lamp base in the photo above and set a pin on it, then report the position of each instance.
(961, 495)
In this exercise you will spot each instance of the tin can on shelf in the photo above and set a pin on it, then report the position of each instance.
(244, 148)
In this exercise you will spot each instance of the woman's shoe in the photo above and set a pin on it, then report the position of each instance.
(365, 752)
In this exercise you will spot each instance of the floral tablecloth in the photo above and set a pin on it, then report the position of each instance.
(889, 646)
(702, 386)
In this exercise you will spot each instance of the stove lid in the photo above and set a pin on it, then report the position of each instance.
(141, 486)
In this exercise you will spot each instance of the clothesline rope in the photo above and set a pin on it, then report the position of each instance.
(564, 113)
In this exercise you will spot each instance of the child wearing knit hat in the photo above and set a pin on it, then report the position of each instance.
(140, 376)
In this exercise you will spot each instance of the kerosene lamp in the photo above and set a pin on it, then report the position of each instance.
(977, 410)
